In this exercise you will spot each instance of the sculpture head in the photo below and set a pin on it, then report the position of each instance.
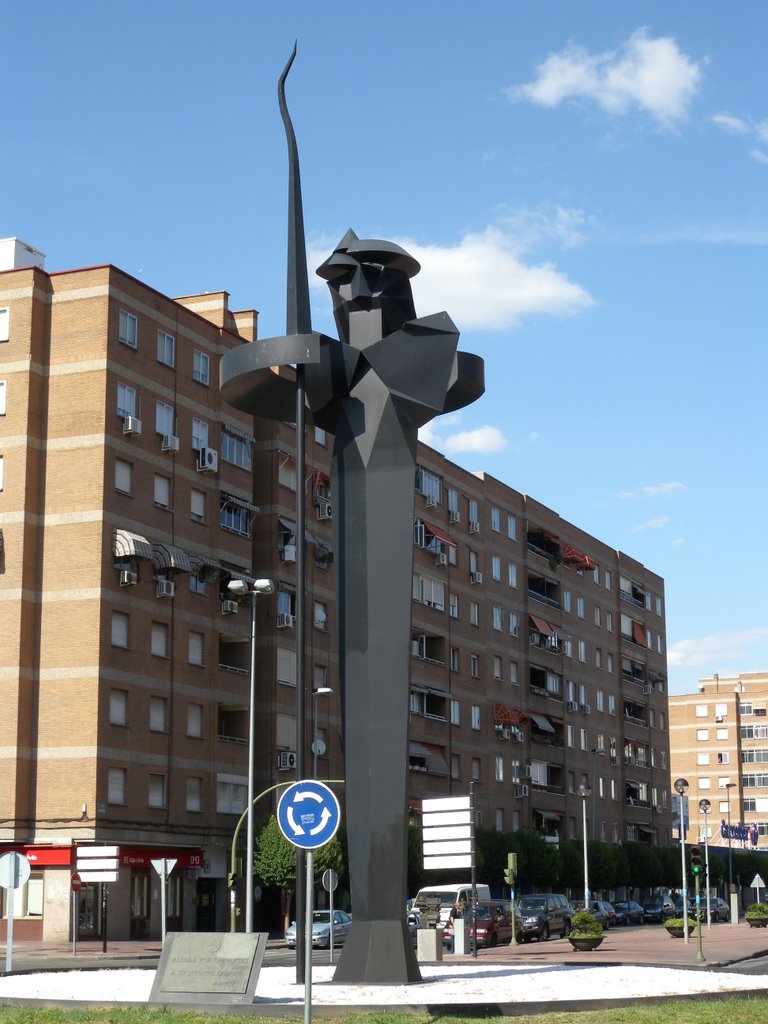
(370, 276)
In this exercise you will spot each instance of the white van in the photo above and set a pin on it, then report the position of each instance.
(453, 892)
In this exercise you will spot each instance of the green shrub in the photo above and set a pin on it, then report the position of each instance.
(756, 910)
(585, 924)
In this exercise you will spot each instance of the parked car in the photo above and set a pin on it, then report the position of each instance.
(413, 919)
(628, 912)
(658, 909)
(608, 908)
(596, 909)
(321, 929)
(545, 913)
(494, 923)
(718, 909)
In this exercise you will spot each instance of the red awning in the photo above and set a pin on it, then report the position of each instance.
(576, 558)
(638, 634)
(502, 715)
(437, 532)
(542, 625)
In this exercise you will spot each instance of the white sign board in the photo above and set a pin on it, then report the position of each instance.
(447, 833)
(97, 863)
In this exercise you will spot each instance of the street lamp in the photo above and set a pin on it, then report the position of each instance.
(584, 792)
(728, 787)
(319, 691)
(596, 752)
(255, 588)
(681, 788)
(704, 807)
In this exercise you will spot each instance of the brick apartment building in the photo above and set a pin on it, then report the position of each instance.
(131, 496)
(719, 744)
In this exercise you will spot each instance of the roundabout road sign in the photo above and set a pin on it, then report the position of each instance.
(308, 814)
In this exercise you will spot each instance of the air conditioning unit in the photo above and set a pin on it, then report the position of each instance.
(169, 443)
(572, 705)
(521, 790)
(474, 526)
(454, 516)
(587, 709)
(499, 727)
(229, 607)
(719, 719)
(430, 501)
(476, 577)
(285, 621)
(165, 588)
(441, 559)
(324, 509)
(131, 425)
(207, 460)
(525, 771)
(128, 579)
(518, 736)
(288, 554)
(659, 808)
(647, 689)
(614, 760)
(286, 760)
(506, 734)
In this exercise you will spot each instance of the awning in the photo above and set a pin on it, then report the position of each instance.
(231, 499)
(543, 723)
(166, 556)
(547, 815)
(638, 634)
(204, 567)
(131, 545)
(238, 432)
(437, 532)
(542, 625)
(436, 763)
(502, 715)
(572, 556)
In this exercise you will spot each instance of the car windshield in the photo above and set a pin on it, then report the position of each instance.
(527, 904)
(321, 916)
(620, 906)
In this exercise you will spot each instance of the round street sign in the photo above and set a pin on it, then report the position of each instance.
(330, 880)
(14, 870)
(76, 882)
(308, 814)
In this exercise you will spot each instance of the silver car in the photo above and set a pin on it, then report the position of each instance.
(321, 929)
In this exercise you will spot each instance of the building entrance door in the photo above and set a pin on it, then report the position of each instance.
(139, 905)
(205, 918)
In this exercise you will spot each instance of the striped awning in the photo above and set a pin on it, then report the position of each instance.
(204, 567)
(166, 556)
(131, 545)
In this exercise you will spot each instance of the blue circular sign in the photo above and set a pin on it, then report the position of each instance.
(308, 814)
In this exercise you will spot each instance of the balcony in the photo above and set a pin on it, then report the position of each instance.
(544, 590)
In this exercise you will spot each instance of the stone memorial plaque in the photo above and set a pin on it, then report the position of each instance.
(210, 967)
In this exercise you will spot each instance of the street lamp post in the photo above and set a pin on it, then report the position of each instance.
(728, 787)
(319, 691)
(596, 752)
(584, 792)
(681, 788)
(254, 588)
(704, 807)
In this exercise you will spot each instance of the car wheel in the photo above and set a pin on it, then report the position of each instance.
(493, 940)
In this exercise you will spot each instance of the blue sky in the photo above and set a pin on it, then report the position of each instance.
(584, 184)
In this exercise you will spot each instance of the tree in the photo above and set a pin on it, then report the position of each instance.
(538, 862)
(571, 865)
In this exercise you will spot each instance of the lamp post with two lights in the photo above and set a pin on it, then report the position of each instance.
(681, 788)
(584, 793)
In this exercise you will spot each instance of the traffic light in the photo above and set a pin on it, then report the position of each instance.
(696, 861)
(509, 878)
(511, 869)
(231, 880)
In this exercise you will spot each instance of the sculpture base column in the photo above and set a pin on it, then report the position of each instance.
(377, 952)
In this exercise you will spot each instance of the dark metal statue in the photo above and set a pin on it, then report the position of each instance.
(391, 373)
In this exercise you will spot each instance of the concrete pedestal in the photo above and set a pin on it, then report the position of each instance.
(462, 940)
(429, 945)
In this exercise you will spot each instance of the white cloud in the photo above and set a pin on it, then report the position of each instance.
(739, 126)
(653, 490)
(759, 155)
(651, 524)
(732, 124)
(651, 74)
(484, 439)
(722, 648)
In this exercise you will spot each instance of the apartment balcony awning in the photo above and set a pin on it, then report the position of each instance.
(541, 625)
(638, 634)
(547, 815)
(543, 723)
(502, 715)
(131, 545)
(577, 559)
(204, 567)
(440, 535)
(433, 755)
(166, 556)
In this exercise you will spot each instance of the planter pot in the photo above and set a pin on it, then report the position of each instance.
(757, 922)
(585, 942)
(676, 933)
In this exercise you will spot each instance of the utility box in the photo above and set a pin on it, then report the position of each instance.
(462, 939)
(15, 254)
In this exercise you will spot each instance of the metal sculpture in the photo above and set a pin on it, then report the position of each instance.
(390, 373)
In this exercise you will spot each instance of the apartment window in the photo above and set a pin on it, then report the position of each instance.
(199, 434)
(194, 794)
(116, 786)
(234, 517)
(455, 766)
(201, 367)
(472, 512)
(164, 419)
(499, 769)
(320, 436)
(475, 717)
(514, 624)
(580, 607)
(231, 794)
(128, 331)
(455, 713)
(512, 575)
(320, 615)
(197, 506)
(496, 520)
(235, 450)
(5, 323)
(702, 758)
(496, 567)
(511, 527)
(598, 614)
(497, 666)
(566, 600)
(584, 738)
(571, 735)
(119, 629)
(609, 621)
(702, 735)
(156, 790)
(453, 503)
(126, 400)
(286, 473)
(498, 617)
(430, 592)
(598, 658)
(513, 677)
(162, 491)
(453, 606)
(474, 666)
(582, 651)
(607, 579)
(721, 734)
(609, 663)
(721, 710)
(611, 704)
(123, 473)
(724, 758)
(475, 769)
(198, 584)
(701, 710)
(319, 676)
(118, 707)
(454, 659)
(159, 639)
(195, 720)
(158, 714)
(474, 613)
(195, 648)
(166, 348)
(430, 485)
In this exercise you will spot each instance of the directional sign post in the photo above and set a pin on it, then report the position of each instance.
(99, 864)
(164, 866)
(308, 815)
(14, 872)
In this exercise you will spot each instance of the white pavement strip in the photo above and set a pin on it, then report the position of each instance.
(441, 984)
